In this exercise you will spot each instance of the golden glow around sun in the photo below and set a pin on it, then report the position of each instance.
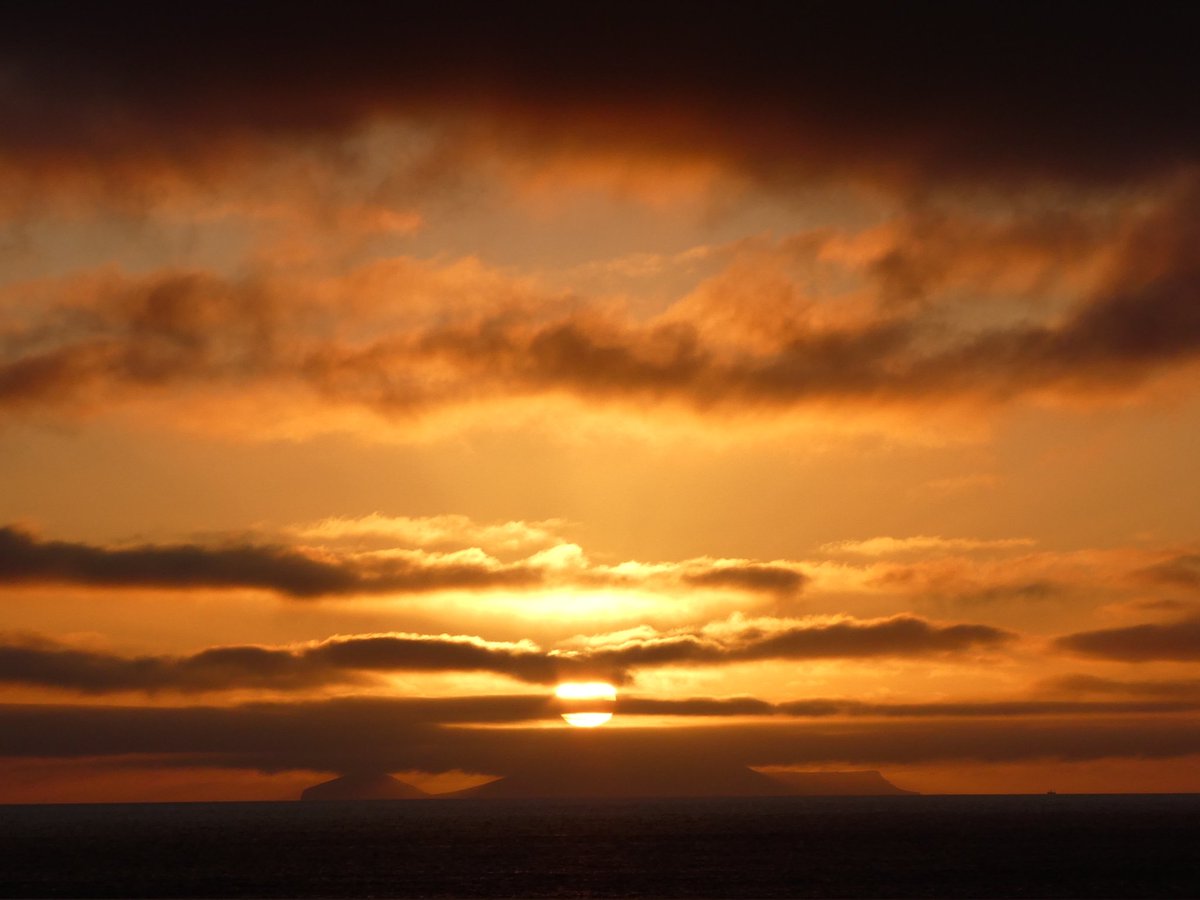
(585, 690)
(593, 695)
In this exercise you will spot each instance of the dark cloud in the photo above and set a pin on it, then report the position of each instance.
(819, 708)
(975, 92)
(389, 653)
(900, 635)
(26, 559)
(337, 661)
(142, 334)
(340, 660)
(986, 709)
(398, 735)
(47, 665)
(1094, 684)
(933, 250)
(308, 573)
(897, 636)
(751, 577)
(694, 706)
(1037, 590)
(1138, 643)
(1180, 571)
(43, 663)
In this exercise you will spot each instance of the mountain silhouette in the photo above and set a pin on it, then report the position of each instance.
(363, 786)
(621, 779)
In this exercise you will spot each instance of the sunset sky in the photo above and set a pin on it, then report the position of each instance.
(826, 381)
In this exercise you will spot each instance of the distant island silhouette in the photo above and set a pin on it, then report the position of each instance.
(621, 781)
(364, 786)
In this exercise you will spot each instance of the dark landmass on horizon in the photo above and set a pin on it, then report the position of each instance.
(620, 781)
(364, 786)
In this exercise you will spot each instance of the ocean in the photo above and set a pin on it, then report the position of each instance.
(920, 846)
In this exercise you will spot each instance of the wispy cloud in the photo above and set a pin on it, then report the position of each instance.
(434, 531)
(887, 546)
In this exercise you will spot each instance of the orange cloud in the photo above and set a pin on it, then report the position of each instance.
(417, 340)
(440, 532)
(887, 546)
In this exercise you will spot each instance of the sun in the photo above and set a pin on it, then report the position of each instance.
(590, 702)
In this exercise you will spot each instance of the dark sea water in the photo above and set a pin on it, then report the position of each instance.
(1015, 846)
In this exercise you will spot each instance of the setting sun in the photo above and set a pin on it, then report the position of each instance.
(586, 719)
(594, 700)
(585, 690)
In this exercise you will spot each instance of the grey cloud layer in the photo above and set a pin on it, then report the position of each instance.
(398, 735)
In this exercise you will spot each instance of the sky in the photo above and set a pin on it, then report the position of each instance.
(825, 380)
